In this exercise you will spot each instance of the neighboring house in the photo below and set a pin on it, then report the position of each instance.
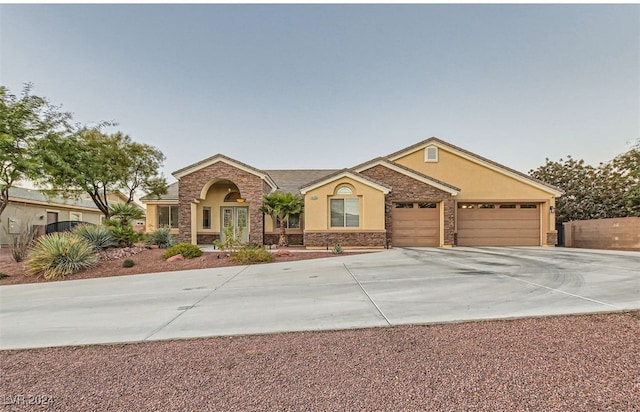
(30, 207)
(429, 194)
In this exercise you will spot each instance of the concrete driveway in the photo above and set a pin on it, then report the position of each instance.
(391, 287)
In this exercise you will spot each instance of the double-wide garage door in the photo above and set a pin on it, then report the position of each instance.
(416, 224)
(501, 224)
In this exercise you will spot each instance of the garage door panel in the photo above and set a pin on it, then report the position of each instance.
(416, 226)
(498, 226)
(483, 241)
(427, 232)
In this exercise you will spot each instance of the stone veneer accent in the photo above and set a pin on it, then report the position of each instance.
(207, 238)
(251, 187)
(295, 239)
(407, 189)
(328, 239)
(552, 238)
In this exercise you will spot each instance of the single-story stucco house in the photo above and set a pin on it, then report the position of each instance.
(428, 194)
(32, 208)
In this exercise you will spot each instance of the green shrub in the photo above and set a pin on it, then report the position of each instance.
(60, 254)
(124, 235)
(128, 263)
(337, 249)
(99, 236)
(3, 275)
(187, 250)
(162, 238)
(248, 255)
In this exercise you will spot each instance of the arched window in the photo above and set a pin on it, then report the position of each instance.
(344, 190)
(345, 208)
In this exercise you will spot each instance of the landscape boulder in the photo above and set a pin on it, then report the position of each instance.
(175, 258)
(283, 252)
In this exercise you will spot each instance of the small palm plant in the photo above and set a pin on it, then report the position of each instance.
(125, 213)
(282, 206)
(122, 216)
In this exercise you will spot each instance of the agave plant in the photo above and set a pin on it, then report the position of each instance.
(99, 236)
(162, 238)
(60, 254)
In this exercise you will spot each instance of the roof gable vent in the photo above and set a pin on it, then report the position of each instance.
(431, 154)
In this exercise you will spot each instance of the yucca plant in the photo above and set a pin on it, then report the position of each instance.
(99, 236)
(60, 254)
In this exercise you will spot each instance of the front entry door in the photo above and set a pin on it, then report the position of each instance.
(235, 220)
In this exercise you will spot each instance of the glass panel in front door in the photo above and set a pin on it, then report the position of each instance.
(227, 217)
(238, 219)
(241, 220)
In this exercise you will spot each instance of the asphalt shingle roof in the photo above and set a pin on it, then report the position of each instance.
(292, 180)
(34, 195)
(172, 193)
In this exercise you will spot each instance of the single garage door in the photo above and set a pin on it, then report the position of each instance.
(500, 224)
(416, 224)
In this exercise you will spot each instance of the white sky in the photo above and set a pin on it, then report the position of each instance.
(331, 86)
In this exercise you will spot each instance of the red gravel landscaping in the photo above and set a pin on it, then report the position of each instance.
(567, 363)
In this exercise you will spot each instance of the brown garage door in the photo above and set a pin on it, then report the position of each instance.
(416, 224)
(501, 224)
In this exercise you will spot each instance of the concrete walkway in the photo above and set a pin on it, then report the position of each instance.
(390, 287)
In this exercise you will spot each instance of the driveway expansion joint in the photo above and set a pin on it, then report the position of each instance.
(367, 295)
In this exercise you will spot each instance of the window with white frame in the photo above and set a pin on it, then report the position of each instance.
(168, 216)
(345, 212)
(293, 222)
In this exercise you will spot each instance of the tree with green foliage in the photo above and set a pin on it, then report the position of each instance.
(280, 206)
(628, 166)
(607, 191)
(24, 120)
(98, 164)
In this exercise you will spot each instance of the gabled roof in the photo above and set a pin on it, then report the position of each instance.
(232, 162)
(291, 180)
(345, 173)
(497, 167)
(407, 172)
(172, 194)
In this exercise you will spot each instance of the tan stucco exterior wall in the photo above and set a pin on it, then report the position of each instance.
(474, 180)
(215, 200)
(317, 212)
(480, 183)
(152, 216)
(29, 214)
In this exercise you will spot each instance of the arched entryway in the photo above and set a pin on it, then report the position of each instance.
(221, 212)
